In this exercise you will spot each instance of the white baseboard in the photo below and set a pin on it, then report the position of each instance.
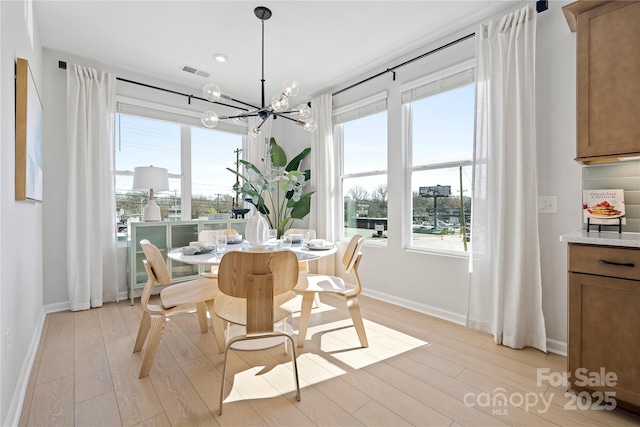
(59, 306)
(17, 401)
(557, 347)
(63, 306)
(553, 346)
(457, 318)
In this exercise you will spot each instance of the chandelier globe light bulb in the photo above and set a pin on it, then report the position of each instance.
(304, 111)
(310, 125)
(212, 92)
(240, 117)
(290, 88)
(280, 102)
(253, 133)
(210, 119)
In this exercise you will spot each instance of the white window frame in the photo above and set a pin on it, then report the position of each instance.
(186, 119)
(354, 111)
(407, 118)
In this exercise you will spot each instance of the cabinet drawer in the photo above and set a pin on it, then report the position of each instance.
(605, 261)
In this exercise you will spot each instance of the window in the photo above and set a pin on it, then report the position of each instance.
(362, 133)
(212, 152)
(146, 137)
(439, 123)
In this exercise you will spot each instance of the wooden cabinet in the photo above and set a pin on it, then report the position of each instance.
(168, 235)
(604, 314)
(608, 87)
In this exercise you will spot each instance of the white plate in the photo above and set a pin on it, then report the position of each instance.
(258, 248)
(319, 248)
(605, 216)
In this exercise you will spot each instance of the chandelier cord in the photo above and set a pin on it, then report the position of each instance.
(262, 79)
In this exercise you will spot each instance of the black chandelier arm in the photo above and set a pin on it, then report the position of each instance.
(263, 122)
(293, 119)
(240, 116)
(241, 102)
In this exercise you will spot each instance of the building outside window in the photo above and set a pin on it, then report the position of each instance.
(439, 128)
(196, 159)
(362, 135)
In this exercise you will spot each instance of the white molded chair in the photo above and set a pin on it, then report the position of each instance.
(320, 283)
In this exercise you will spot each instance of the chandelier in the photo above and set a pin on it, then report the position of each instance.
(279, 106)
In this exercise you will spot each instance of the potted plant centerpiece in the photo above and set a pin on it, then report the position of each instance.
(277, 191)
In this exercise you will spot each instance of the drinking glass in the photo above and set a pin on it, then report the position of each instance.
(221, 243)
(286, 241)
(273, 233)
(305, 238)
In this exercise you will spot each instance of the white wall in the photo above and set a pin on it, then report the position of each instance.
(558, 174)
(21, 246)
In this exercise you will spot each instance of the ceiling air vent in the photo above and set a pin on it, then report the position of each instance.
(193, 70)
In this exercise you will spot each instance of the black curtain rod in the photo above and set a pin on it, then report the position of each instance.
(541, 6)
(63, 66)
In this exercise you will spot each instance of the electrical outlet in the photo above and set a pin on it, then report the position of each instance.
(547, 204)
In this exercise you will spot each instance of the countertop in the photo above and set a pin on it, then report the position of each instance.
(605, 238)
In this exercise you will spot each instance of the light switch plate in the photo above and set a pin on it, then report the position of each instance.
(547, 204)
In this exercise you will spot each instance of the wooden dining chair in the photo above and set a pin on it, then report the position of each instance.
(177, 296)
(256, 292)
(321, 283)
(210, 236)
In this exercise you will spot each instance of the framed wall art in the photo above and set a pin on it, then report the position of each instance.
(29, 123)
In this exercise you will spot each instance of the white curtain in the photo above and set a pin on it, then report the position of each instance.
(91, 210)
(505, 296)
(322, 217)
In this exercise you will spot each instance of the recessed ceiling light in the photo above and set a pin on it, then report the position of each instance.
(220, 57)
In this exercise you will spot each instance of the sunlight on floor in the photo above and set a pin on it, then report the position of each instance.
(331, 350)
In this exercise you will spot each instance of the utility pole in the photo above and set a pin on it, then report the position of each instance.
(236, 202)
(218, 202)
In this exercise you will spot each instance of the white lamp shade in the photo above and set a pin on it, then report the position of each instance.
(149, 177)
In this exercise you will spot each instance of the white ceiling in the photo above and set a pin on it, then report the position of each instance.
(321, 44)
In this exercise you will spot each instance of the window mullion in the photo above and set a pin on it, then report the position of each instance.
(185, 161)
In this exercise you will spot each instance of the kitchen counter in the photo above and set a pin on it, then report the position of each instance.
(604, 238)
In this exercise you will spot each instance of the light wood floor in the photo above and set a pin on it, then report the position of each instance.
(418, 371)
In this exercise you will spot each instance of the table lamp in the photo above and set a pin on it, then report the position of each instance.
(150, 178)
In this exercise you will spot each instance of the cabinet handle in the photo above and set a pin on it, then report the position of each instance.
(621, 264)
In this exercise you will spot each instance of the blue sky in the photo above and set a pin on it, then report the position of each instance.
(443, 128)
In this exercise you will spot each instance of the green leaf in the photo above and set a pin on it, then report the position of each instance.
(302, 207)
(237, 173)
(278, 157)
(248, 165)
(294, 164)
